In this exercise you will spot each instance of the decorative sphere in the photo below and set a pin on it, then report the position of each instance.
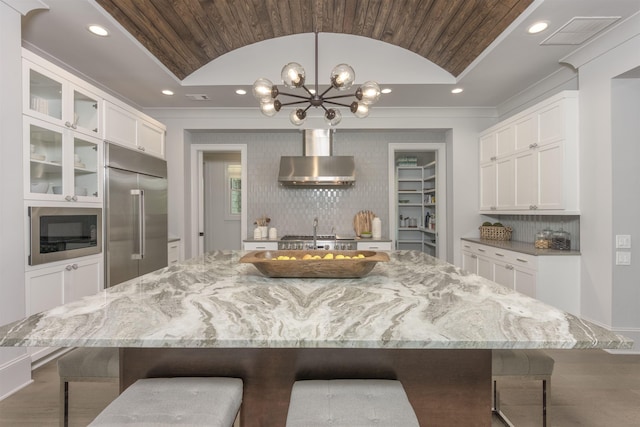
(292, 75)
(342, 76)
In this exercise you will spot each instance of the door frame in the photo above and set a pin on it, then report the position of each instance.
(440, 148)
(197, 188)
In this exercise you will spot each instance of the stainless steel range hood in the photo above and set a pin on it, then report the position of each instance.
(317, 167)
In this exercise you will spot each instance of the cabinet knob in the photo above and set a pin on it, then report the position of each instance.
(68, 268)
(474, 256)
(68, 198)
(67, 124)
(141, 148)
(74, 266)
(74, 198)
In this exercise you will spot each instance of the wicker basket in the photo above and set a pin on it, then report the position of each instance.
(495, 233)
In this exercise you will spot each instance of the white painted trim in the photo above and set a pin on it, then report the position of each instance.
(15, 375)
(441, 189)
(197, 220)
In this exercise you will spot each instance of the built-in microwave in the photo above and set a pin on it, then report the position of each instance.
(59, 233)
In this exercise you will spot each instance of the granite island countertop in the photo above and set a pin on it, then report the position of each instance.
(413, 301)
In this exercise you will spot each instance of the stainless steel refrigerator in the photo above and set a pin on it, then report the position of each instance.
(136, 214)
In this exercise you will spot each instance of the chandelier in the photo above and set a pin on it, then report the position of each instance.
(293, 77)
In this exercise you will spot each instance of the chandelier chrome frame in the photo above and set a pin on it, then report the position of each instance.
(293, 76)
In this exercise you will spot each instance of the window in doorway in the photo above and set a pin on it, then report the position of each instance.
(233, 198)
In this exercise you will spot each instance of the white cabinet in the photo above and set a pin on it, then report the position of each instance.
(58, 98)
(530, 161)
(173, 252)
(61, 164)
(61, 283)
(554, 279)
(373, 246)
(64, 282)
(256, 246)
(128, 127)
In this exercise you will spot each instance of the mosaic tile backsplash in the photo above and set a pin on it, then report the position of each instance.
(292, 210)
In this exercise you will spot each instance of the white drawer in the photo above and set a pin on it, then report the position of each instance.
(374, 246)
(514, 258)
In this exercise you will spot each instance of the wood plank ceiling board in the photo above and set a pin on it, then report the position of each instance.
(185, 35)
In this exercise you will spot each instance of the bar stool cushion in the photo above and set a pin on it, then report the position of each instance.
(316, 403)
(90, 362)
(175, 401)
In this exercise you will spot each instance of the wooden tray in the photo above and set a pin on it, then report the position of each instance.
(266, 263)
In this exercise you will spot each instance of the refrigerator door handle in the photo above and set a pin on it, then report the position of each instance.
(139, 250)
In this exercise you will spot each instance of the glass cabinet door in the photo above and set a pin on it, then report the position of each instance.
(85, 168)
(85, 112)
(45, 95)
(45, 159)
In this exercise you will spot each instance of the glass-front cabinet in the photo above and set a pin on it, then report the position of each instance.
(58, 101)
(62, 164)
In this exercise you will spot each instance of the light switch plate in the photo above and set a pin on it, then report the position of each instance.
(623, 258)
(623, 241)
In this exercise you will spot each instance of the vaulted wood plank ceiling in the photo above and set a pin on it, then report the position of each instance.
(186, 34)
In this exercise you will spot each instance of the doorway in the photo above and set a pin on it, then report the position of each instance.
(218, 217)
(222, 205)
(417, 197)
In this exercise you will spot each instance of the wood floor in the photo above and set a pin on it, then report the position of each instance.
(589, 388)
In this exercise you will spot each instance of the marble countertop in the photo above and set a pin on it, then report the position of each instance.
(413, 301)
(522, 247)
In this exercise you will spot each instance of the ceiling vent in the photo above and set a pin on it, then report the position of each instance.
(579, 29)
(197, 97)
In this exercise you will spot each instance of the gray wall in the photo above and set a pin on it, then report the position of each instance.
(625, 126)
(292, 209)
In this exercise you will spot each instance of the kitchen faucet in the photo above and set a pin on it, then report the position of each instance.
(315, 233)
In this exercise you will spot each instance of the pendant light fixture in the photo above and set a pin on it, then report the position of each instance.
(293, 77)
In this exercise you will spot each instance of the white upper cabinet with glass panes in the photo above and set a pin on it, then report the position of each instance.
(57, 100)
(60, 164)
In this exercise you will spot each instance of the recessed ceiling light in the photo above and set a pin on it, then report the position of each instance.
(386, 90)
(457, 90)
(241, 91)
(98, 30)
(167, 92)
(538, 27)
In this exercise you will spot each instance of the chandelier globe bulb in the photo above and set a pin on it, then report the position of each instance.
(297, 117)
(270, 107)
(332, 117)
(368, 93)
(343, 76)
(361, 111)
(262, 89)
(293, 75)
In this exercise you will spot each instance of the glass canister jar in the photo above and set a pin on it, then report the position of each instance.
(542, 240)
(561, 240)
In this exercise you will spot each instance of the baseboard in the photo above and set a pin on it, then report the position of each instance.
(15, 375)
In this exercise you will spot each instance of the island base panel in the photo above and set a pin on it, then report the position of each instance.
(445, 387)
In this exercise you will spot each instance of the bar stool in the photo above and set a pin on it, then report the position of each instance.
(319, 403)
(522, 364)
(192, 401)
(85, 364)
